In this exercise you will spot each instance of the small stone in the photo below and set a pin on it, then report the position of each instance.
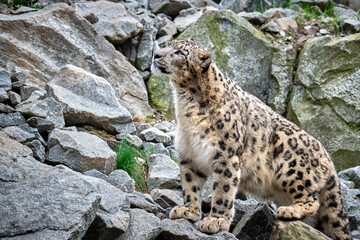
(323, 31)
(170, 8)
(96, 173)
(282, 33)
(144, 201)
(121, 179)
(186, 18)
(165, 126)
(18, 134)
(155, 148)
(43, 125)
(141, 127)
(6, 108)
(15, 98)
(37, 149)
(163, 173)
(26, 127)
(167, 198)
(155, 135)
(11, 119)
(307, 27)
(133, 139)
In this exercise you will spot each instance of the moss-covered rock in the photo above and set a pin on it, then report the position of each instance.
(326, 102)
(241, 51)
(161, 96)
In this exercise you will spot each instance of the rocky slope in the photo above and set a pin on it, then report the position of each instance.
(75, 81)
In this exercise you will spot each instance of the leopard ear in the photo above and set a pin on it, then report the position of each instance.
(206, 58)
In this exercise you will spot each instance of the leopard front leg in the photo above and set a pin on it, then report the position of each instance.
(226, 175)
(192, 182)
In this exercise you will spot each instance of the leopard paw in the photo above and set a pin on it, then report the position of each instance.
(213, 224)
(189, 213)
(289, 213)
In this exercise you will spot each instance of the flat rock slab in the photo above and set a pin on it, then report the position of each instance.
(80, 151)
(38, 201)
(169, 7)
(11, 149)
(89, 99)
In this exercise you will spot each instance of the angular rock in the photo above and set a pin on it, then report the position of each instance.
(96, 173)
(5, 85)
(11, 119)
(34, 131)
(287, 24)
(257, 223)
(168, 7)
(141, 127)
(142, 226)
(121, 179)
(181, 229)
(169, 28)
(167, 198)
(6, 108)
(165, 126)
(186, 18)
(275, 13)
(234, 5)
(344, 13)
(241, 51)
(145, 49)
(163, 173)
(351, 174)
(329, 71)
(55, 202)
(350, 24)
(37, 149)
(282, 68)
(241, 208)
(313, 2)
(48, 108)
(18, 134)
(296, 230)
(155, 135)
(41, 124)
(14, 98)
(80, 151)
(253, 17)
(114, 23)
(352, 205)
(38, 47)
(155, 148)
(112, 218)
(144, 201)
(11, 149)
(89, 99)
(133, 139)
(32, 92)
(272, 27)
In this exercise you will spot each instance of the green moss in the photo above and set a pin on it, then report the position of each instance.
(344, 159)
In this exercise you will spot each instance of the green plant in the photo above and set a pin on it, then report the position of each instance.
(310, 12)
(329, 9)
(19, 3)
(148, 118)
(127, 159)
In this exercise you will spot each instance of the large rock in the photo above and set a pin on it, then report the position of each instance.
(163, 172)
(327, 104)
(169, 7)
(351, 174)
(80, 151)
(11, 149)
(142, 226)
(182, 229)
(241, 52)
(113, 21)
(11, 119)
(38, 201)
(89, 99)
(296, 230)
(145, 49)
(37, 50)
(5, 85)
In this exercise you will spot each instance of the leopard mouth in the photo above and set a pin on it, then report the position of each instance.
(161, 69)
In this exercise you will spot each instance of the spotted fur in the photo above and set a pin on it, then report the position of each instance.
(227, 133)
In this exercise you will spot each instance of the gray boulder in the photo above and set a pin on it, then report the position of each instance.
(241, 207)
(257, 223)
(38, 47)
(11, 149)
(351, 174)
(163, 172)
(6, 108)
(167, 198)
(182, 229)
(48, 108)
(145, 48)
(153, 134)
(168, 7)
(5, 84)
(11, 119)
(328, 105)
(52, 205)
(144, 201)
(89, 99)
(14, 98)
(142, 226)
(41, 124)
(121, 179)
(37, 149)
(80, 151)
(113, 21)
(352, 204)
(18, 134)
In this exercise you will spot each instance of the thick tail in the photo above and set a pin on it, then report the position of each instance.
(333, 219)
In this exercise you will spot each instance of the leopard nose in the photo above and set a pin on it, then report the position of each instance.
(156, 56)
